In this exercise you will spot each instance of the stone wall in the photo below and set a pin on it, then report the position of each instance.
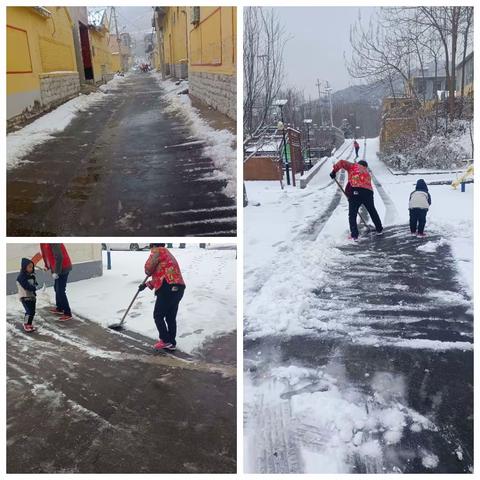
(217, 90)
(58, 87)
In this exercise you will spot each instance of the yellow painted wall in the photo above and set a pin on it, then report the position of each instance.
(79, 252)
(212, 42)
(101, 54)
(175, 35)
(36, 44)
(115, 62)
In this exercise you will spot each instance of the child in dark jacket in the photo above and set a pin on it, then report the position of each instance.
(27, 287)
(418, 205)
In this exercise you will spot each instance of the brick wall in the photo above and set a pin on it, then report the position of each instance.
(58, 87)
(217, 90)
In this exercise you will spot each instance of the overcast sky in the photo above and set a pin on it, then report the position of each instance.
(319, 37)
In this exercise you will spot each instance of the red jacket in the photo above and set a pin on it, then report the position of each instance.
(358, 175)
(356, 145)
(162, 265)
(55, 257)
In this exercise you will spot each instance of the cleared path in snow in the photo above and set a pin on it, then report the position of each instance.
(84, 399)
(122, 167)
(371, 370)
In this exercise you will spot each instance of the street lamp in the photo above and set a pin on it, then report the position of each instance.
(281, 103)
(307, 122)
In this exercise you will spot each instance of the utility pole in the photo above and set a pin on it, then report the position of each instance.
(118, 38)
(328, 89)
(320, 101)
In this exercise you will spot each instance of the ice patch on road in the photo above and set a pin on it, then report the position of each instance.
(219, 144)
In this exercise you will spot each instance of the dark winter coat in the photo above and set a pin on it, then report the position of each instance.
(420, 197)
(26, 282)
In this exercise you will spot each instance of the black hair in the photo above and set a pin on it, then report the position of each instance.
(363, 163)
(153, 245)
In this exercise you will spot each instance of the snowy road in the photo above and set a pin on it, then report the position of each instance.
(128, 165)
(84, 399)
(359, 357)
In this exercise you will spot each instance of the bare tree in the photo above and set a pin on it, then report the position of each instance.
(264, 43)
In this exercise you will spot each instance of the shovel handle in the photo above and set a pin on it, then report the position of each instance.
(132, 302)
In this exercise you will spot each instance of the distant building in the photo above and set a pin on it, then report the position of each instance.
(41, 61)
(426, 84)
(121, 50)
(468, 84)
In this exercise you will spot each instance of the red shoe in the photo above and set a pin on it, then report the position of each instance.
(421, 235)
(28, 328)
(64, 318)
(56, 310)
(160, 345)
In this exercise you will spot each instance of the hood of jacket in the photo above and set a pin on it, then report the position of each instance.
(25, 262)
(421, 185)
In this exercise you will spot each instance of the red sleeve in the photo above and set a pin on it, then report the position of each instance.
(342, 164)
(151, 264)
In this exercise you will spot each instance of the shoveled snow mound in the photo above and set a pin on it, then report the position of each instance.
(23, 141)
(220, 144)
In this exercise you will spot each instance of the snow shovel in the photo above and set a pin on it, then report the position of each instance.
(119, 326)
(359, 214)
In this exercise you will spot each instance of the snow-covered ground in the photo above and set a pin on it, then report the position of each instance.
(314, 419)
(207, 310)
(219, 144)
(23, 141)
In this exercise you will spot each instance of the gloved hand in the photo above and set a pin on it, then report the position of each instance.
(142, 287)
(333, 175)
(55, 276)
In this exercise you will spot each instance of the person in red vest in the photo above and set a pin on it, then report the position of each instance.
(356, 146)
(360, 192)
(56, 259)
(169, 286)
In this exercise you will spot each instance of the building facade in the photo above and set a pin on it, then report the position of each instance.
(99, 43)
(86, 259)
(468, 82)
(212, 35)
(41, 61)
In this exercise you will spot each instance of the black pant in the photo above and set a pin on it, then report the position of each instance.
(61, 299)
(356, 151)
(359, 197)
(418, 219)
(29, 304)
(165, 312)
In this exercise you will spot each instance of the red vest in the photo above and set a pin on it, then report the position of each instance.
(162, 265)
(49, 259)
(358, 175)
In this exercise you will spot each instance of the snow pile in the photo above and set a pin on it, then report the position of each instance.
(114, 82)
(445, 148)
(334, 422)
(207, 310)
(220, 144)
(23, 141)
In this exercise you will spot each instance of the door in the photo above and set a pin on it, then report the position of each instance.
(86, 52)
